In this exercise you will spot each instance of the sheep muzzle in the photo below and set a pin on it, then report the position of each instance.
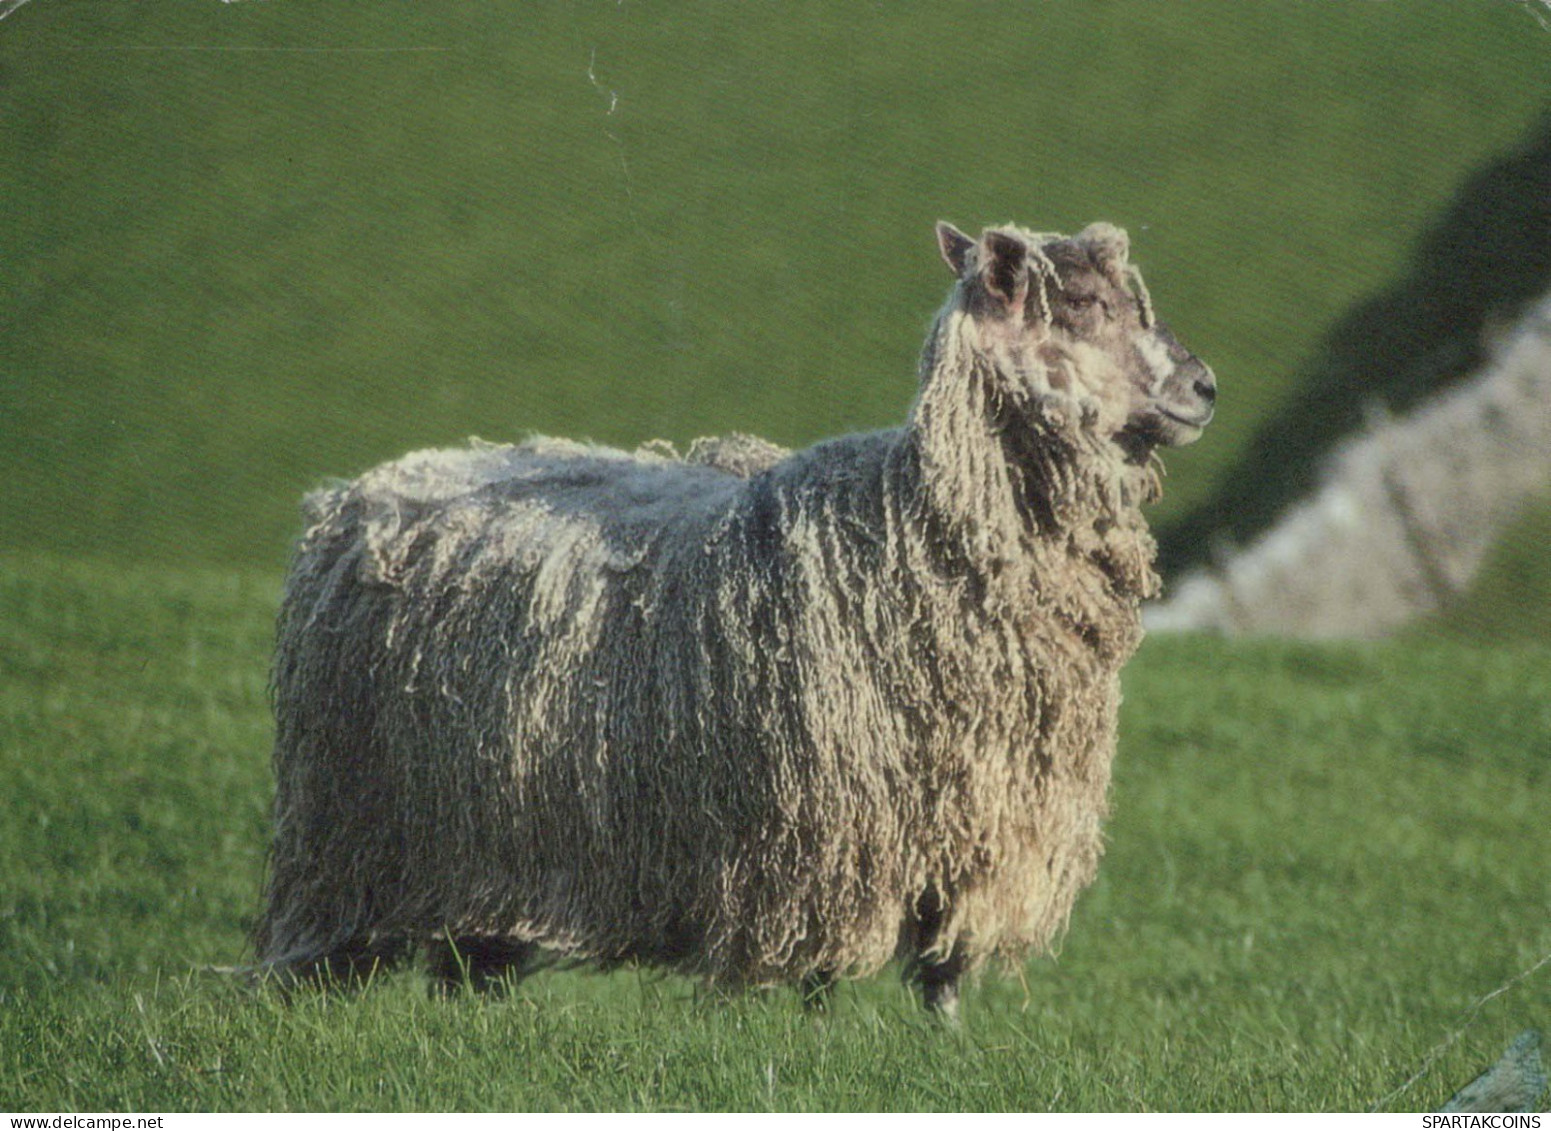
(1178, 397)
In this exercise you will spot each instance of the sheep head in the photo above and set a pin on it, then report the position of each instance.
(1069, 316)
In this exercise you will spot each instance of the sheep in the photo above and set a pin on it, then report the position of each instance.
(754, 716)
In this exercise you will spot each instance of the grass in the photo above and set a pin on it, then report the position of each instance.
(1319, 859)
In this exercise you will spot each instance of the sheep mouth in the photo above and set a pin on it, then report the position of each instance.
(1197, 420)
(1170, 427)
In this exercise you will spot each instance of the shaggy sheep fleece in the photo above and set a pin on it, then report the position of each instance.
(752, 715)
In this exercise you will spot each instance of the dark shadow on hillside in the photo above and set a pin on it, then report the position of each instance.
(1487, 255)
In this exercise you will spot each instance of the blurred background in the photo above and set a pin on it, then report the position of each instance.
(251, 245)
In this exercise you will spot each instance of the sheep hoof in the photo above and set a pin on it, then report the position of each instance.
(481, 963)
(817, 990)
(941, 1000)
(939, 985)
(349, 967)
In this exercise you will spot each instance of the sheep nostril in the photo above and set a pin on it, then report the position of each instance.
(1207, 391)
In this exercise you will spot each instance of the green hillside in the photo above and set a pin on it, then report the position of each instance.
(251, 245)
(1481, 262)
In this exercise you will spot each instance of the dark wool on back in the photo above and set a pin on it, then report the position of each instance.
(756, 716)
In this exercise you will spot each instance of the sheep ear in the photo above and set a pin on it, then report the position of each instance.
(1111, 248)
(1005, 267)
(955, 247)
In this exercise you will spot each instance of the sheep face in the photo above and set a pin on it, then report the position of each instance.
(1070, 316)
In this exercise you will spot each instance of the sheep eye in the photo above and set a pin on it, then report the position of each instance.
(1088, 302)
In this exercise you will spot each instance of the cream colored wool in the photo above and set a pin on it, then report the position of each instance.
(736, 714)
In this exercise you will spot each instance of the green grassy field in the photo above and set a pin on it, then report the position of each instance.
(1319, 859)
(251, 245)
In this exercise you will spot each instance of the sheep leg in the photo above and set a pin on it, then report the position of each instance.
(939, 985)
(479, 962)
(937, 977)
(817, 989)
